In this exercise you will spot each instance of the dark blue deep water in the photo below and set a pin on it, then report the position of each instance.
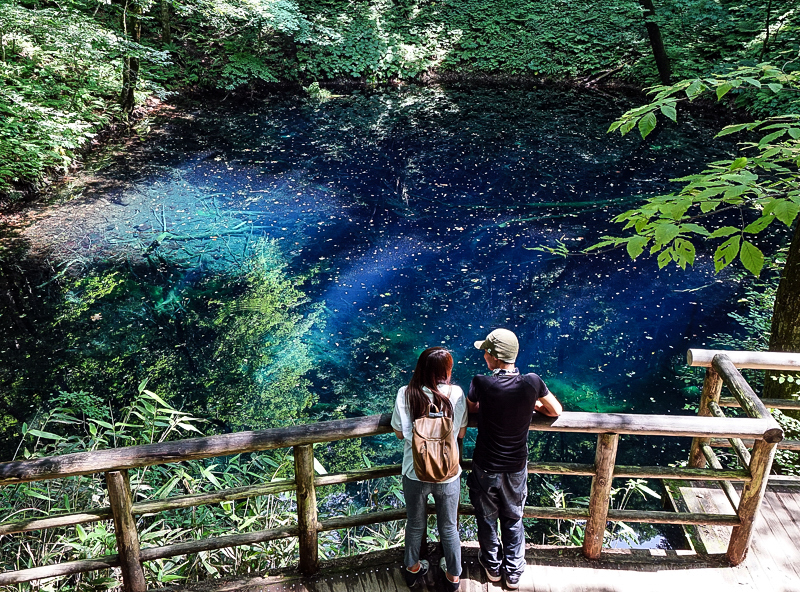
(420, 217)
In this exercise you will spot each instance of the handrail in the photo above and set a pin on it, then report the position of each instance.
(746, 359)
(722, 368)
(131, 457)
(761, 428)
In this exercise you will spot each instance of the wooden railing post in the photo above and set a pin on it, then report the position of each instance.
(605, 457)
(119, 495)
(752, 496)
(712, 387)
(306, 508)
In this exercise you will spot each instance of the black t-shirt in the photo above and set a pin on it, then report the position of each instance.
(504, 418)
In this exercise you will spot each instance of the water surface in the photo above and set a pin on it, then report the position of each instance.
(408, 218)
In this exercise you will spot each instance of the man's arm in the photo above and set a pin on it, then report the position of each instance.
(399, 435)
(472, 406)
(548, 405)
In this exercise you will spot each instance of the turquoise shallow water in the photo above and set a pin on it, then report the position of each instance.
(417, 217)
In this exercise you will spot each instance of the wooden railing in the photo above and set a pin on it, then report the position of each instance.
(759, 427)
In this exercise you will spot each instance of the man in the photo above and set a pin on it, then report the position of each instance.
(498, 483)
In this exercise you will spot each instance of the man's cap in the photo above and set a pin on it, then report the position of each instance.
(502, 344)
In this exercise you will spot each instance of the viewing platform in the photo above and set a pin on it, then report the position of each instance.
(746, 533)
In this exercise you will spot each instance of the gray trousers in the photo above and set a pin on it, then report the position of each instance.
(500, 496)
(445, 496)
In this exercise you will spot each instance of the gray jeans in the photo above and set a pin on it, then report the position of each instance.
(445, 496)
(500, 496)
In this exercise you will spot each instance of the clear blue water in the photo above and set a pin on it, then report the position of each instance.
(423, 216)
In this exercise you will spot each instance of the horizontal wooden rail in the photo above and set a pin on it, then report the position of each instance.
(768, 403)
(784, 445)
(117, 459)
(746, 359)
(132, 457)
(282, 485)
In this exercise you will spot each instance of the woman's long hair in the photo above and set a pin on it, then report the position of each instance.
(433, 368)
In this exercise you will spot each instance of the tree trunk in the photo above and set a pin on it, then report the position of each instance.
(166, 30)
(785, 331)
(659, 53)
(130, 64)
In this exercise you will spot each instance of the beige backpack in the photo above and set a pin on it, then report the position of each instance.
(434, 447)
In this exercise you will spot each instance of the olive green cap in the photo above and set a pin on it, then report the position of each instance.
(502, 344)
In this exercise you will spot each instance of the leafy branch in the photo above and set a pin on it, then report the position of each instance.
(764, 179)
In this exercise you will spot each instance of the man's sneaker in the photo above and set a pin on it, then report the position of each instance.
(451, 586)
(414, 578)
(512, 582)
(493, 575)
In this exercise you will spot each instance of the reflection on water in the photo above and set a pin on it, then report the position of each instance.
(402, 219)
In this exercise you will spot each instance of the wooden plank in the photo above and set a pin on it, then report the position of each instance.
(782, 445)
(621, 471)
(655, 517)
(306, 509)
(753, 493)
(703, 498)
(712, 386)
(119, 496)
(605, 456)
(781, 529)
(746, 359)
(214, 497)
(357, 475)
(471, 576)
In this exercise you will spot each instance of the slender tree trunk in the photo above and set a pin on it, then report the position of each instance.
(166, 30)
(130, 64)
(785, 331)
(653, 31)
(765, 46)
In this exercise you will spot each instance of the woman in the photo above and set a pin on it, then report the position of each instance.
(430, 384)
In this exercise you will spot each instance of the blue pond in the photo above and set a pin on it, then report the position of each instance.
(429, 216)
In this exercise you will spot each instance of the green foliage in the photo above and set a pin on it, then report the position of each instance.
(60, 79)
(571, 532)
(555, 39)
(764, 180)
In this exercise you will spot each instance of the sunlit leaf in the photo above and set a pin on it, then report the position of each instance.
(636, 245)
(726, 252)
(724, 231)
(647, 124)
(752, 258)
(760, 224)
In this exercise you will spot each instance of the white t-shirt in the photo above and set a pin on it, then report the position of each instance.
(402, 422)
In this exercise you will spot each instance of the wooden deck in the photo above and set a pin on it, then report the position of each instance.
(772, 565)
